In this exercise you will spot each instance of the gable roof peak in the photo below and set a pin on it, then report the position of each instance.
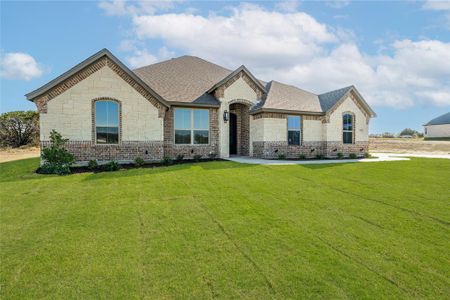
(84, 64)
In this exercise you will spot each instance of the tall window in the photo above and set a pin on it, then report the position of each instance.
(347, 128)
(107, 122)
(191, 126)
(294, 124)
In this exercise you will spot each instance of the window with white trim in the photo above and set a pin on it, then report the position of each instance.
(106, 122)
(294, 130)
(191, 126)
(347, 129)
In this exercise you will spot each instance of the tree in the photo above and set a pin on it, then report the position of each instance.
(409, 131)
(18, 128)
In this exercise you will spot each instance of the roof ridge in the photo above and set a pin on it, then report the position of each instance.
(294, 86)
(344, 88)
(181, 57)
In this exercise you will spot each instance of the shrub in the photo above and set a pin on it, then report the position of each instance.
(340, 155)
(139, 162)
(302, 156)
(367, 155)
(166, 161)
(57, 160)
(111, 166)
(197, 157)
(281, 156)
(92, 164)
(47, 168)
(319, 156)
(19, 128)
(179, 157)
(212, 155)
(352, 156)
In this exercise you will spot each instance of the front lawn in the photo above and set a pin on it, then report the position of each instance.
(227, 230)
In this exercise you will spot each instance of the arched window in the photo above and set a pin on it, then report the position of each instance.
(106, 122)
(347, 128)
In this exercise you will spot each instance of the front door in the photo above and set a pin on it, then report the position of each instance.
(233, 134)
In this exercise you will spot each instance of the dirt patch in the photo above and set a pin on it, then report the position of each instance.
(9, 154)
(409, 146)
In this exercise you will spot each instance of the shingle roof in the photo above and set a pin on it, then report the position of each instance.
(183, 79)
(441, 120)
(328, 100)
(288, 97)
(189, 79)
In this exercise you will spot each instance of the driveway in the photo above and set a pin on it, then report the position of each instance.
(378, 157)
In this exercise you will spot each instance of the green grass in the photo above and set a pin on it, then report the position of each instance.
(226, 230)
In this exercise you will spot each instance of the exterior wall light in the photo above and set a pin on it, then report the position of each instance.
(225, 116)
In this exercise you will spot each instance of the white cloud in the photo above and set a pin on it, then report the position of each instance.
(443, 6)
(123, 7)
(18, 65)
(293, 47)
(249, 34)
(437, 5)
(143, 57)
(287, 6)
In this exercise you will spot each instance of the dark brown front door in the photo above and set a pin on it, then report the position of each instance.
(233, 134)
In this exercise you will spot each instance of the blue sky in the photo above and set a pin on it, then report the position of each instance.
(396, 53)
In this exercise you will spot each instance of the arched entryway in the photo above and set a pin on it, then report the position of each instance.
(239, 129)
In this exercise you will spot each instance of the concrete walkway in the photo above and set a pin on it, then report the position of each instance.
(379, 157)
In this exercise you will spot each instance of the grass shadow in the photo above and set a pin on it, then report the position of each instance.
(207, 166)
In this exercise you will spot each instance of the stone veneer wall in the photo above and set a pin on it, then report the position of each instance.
(172, 150)
(124, 152)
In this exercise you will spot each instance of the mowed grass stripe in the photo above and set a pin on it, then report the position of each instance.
(226, 230)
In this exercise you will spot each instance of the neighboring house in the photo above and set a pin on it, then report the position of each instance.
(190, 106)
(438, 127)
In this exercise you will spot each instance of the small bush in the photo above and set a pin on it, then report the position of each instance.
(319, 156)
(302, 156)
(212, 155)
(197, 157)
(367, 155)
(179, 157)
(111, 166)
(340, 155)
(166, 161)
(57, 159)
(139, 162)
(92, 164)
(281, 156)
(352, 156)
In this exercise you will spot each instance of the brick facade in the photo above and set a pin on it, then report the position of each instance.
(172, 150)
(242, 127)
(271, 150)
(124, 151)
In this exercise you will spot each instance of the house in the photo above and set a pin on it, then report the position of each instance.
(438, 127)
(190, 106)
